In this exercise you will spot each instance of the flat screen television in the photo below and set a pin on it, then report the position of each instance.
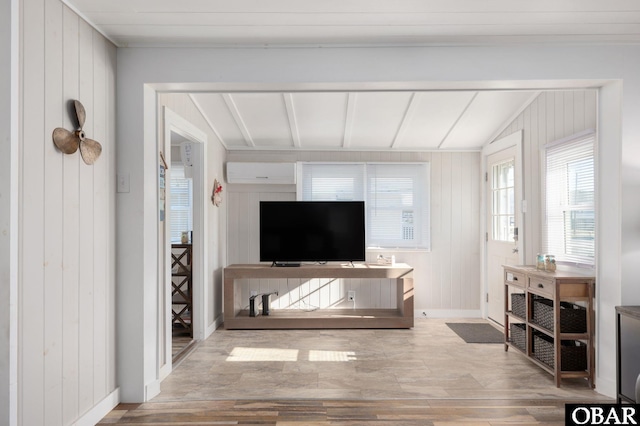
(311, 231)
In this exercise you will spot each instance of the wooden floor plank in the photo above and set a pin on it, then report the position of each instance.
(423, 376)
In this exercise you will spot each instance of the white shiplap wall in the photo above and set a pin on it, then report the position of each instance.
(66, 340)
(551, 116)
(446, 278)
(7, 234)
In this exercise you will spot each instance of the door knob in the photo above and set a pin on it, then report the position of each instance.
(515, 250)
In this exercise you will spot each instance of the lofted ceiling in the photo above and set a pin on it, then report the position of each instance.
(451, 120)
(378, 121)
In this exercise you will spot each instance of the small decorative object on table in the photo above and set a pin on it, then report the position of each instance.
(540, 262)
(381, 260)
(216, 195)
(550, 263)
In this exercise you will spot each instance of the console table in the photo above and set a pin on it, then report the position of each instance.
(401, 317)
(551, 344)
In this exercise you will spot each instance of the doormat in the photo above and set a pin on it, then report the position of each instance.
(477, 332)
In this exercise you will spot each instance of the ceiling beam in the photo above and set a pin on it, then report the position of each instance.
(348, 122)
(455, 123)
(293, 123)
(406, 120)
(206, 118)
(233, 109)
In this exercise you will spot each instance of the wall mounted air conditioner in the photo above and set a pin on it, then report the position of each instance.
(274, 173)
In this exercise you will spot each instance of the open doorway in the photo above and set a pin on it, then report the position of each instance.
(183, 241)
(180, 224)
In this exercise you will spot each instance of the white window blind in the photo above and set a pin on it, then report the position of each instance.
(332, 182)
(395, 195)
(569, 227)
(181, 216)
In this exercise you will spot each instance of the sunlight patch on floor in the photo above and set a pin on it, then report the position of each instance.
(243, 354)
(332, 356)
(240, 354)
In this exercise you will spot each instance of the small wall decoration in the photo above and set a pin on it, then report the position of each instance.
(161, 186)
(216, 195)
(68, 142)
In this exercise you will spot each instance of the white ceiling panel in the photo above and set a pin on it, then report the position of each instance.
(320, 118)
(348, 22)
(222, 122)
(487, 112)
(376, 119)
(441, 120)
(264, 117)
(433, 117)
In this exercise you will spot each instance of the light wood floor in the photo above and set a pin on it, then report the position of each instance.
(423, 376)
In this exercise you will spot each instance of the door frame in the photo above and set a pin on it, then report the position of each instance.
(514, 139)
(173, 123)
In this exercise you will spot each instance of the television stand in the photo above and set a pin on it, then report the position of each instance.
(401, 317)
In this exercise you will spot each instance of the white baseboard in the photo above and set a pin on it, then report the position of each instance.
(213, 327)
(447, 313)
(99, 410)
(606, 386)
(152, 389)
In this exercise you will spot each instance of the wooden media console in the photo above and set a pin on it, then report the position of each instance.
(401, 317)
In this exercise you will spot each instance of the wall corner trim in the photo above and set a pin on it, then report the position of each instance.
(101, 409)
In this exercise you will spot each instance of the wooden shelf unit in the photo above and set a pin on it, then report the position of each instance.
(564, 285)
(181, 288)
(401, 317)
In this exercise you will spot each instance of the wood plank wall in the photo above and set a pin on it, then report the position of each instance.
(8, 190)
(447, 277)
(551, 116)
(67, 220)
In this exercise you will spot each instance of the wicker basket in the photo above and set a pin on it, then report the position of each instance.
(518, 305)
(573, 318)
(573, 353)
(518, 336)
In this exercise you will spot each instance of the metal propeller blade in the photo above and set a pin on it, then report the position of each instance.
(90, 150)
(65, 140)
(80, 113)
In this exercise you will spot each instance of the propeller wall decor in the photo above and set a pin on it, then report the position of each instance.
(68, 142)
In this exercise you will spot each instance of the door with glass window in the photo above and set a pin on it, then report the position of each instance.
(503, 218)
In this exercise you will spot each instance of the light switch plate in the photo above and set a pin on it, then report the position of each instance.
(123, 182)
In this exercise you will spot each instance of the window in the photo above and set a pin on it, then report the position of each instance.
(181, 218)
(569, 227)
(395, 195)
(503, 209)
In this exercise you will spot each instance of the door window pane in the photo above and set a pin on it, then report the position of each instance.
(503, 201)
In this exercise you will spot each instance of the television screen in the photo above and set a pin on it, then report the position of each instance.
(312, 231)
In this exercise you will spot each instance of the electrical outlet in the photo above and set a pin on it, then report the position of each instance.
(351, 296)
